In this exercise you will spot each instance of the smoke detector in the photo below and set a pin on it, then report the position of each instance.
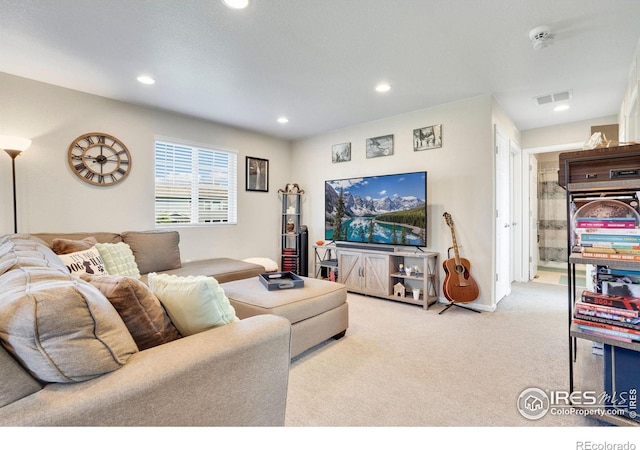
(541, 37)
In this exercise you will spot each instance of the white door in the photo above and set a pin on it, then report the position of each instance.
(503, 217)
(533, 217)
(518, 272)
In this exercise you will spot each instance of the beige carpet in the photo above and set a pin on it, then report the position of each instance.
(400, 365)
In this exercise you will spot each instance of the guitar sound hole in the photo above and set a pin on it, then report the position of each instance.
(459, 268)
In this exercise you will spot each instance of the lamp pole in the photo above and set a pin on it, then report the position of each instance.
(14, 154)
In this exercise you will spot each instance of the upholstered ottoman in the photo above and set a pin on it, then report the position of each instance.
(317, 311)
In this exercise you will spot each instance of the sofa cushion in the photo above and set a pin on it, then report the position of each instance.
(222, 269)
(85, 261)
(139, 308)
(118, 259)
(194, 304)
(59, 327)
(16, 383)
(23, 250)
(155, 251)
(64, 246)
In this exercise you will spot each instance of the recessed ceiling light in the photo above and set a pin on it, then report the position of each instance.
(561, 108)
(283, 120)
(383, 87)
(146, 79)
(236, 4)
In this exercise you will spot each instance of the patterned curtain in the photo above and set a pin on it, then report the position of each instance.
(552, 214)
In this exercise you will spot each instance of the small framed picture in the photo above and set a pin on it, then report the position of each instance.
(427, 138)
(257, 174)
(341, 152)
(380, 146)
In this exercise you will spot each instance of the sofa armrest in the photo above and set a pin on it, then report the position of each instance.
(235, 375)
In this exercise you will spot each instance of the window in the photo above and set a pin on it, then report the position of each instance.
(195, 185)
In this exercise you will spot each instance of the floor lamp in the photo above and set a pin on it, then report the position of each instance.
(14, 145)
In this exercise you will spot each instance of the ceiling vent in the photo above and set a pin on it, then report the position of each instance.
(541, 37)
(553, 98)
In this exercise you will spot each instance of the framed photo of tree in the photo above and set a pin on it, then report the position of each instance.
(257, 174)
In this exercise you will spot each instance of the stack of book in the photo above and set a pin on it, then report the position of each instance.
(608, 238)
(289, 260)
(612, 316)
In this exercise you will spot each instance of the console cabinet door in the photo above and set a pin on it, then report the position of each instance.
(376, 274)
(350, 270)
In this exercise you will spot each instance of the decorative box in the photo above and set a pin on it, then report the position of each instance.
(274, 281)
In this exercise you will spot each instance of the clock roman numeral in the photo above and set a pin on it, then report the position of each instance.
(100, 178)
(101, 139)
(121, 171)
(80, 167)
(89, 175)
(89, 140)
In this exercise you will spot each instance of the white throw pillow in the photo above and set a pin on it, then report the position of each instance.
(84, 261)
(194, 303)
(269, 264)
(118, 259)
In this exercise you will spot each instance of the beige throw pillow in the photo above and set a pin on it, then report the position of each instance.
(194, 304)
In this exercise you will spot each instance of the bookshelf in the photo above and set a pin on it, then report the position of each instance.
(603, 374)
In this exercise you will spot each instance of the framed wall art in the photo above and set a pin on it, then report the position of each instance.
(257, 174)
(380, 146)
(427, 138)
(341, 152)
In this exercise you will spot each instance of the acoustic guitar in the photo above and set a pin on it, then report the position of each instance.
(459, 286)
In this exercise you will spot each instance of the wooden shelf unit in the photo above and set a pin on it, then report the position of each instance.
(376, 272)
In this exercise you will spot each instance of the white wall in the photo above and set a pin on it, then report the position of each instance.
(52, 198)
(568, 133)
(629, 115)
(460, 176)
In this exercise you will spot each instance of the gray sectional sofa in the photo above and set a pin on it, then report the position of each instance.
(92, 372)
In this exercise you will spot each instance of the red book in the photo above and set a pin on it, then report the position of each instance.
(606, 326)
(604, 223)
(616, 301)
(607, 309)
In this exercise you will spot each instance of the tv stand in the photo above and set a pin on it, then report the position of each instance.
(378, 272)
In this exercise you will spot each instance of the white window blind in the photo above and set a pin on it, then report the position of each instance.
(195, 185)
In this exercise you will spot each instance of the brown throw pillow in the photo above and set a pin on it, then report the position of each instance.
(64, 246)
(140, 309)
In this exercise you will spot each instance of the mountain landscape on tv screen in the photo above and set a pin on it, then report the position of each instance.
(389, 209)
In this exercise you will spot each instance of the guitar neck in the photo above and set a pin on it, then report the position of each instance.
(456, 253)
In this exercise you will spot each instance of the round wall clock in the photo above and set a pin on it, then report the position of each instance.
(99, 159)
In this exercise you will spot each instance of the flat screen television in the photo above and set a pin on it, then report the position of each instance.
(385, 209)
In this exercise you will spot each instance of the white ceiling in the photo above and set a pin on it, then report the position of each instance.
(317, 61)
